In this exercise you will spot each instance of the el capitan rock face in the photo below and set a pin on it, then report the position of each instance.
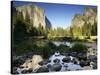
(36, 15)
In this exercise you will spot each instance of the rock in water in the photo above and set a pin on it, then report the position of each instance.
(56, 61)
(67, 59)
(43, 63)
(14, 70)
(82, 63)
(56, 67)
(24, 71)
(42, 69)
(49, 66)
(35, 60)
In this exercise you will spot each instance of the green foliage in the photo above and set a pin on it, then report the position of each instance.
(33, 32)
(63, 48)
(79, 47)
(41, 30)
(94, 29)
(58, 32)
(46, 51)
(52, 46)
(27, 17)
(19, 30)
(71, 32)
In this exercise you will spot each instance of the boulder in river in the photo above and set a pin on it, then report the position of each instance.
(82, 63)
(56, 61)
(14, 70)
(66, 60)
(35, 60)
(92, 58)
(42, 69)
(24, 72)
(43, 63)
(49, 66)
(56, 67)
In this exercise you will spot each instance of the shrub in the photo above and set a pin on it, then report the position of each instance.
(63, 48)
(51, 45)
(46, 51)
(79, 47)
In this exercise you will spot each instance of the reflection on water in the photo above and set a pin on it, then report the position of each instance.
(57, 43)
(70, 44)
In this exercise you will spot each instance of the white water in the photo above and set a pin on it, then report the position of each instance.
(71, 66)
(92, 45)
(57, 43)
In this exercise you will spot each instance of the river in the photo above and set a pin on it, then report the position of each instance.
(70, 44)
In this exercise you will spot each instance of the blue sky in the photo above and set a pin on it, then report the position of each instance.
(60, 15)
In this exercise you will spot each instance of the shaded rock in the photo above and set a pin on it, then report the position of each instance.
(21, 67)
(56, 67)
(92, 58)
(73, 54)
(27, 64)
(66, 54)
(65, 65)
(93, 65)
(75, 61)
(82, 63)
(56, 61)
(24, 71)
(14, 70)
(87, 63)
(17, 63)
(48, 61)
(42, 69)
(19, 70)
(66, 60)
(49, 66)
(82, 56)
(30, 70)
(43, 63)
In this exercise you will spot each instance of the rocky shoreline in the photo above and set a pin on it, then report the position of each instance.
(31, 63)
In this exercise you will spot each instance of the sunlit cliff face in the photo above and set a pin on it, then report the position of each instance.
(35, 14)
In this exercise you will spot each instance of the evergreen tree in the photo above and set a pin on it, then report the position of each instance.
(28, 22)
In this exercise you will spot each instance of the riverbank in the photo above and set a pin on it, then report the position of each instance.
(32, 63)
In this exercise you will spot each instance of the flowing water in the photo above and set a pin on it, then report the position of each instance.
(70, 66)
(70, 44)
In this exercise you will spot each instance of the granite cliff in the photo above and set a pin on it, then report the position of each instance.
(86, 23)
(35, 15)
